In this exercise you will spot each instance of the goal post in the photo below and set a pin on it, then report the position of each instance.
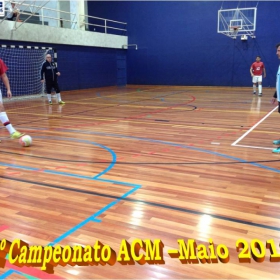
(24, 65)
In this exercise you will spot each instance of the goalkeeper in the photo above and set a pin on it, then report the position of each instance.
(3, 116)
(49, 70)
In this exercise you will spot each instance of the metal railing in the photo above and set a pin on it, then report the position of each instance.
(58, 18)
(89, 21)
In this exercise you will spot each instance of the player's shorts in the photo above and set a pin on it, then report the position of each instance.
(257, 79)
(52, 85)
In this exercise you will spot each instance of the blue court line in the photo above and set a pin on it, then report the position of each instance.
(93, 217)
(53, 172)
(19, 166)
(11, 271)
(113, 154)
(97, 177)
(7, 273)
(114, 182)
(110, 166)
(177, 145)
(155, 141)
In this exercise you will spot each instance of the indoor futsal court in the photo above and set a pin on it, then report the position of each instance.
(161, 162)
(147, 162)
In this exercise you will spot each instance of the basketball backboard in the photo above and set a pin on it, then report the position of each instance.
(237, 22)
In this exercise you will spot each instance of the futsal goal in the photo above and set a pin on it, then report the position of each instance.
(24, 65)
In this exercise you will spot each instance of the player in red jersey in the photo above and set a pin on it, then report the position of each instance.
(257, 70)
(3, 116)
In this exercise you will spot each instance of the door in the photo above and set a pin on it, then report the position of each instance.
(121, 70)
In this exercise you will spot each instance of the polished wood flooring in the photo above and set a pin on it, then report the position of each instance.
(147, 162)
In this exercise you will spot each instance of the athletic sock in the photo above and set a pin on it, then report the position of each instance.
(5, 121)
(58, 97)
(260, 88)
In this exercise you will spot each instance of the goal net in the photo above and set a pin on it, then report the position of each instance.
(28, 102)
(24, 65)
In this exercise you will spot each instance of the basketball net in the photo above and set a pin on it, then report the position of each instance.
(234, 30)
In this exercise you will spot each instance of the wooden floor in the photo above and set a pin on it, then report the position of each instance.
(147, 162)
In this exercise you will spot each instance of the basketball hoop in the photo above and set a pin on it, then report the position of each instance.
(237, 22)
(234, 30)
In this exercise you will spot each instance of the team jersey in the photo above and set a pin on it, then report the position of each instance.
(50, 70)
(3, 67)
(257, 68)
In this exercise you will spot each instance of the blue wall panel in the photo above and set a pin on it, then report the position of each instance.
(178, 43)
(83, 67)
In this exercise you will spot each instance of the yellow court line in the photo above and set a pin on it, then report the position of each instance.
(154, 107)
(148, 106)
(81, 99)
(50, 116)
(233, 111)
(133, 106)
(118, 94)
(196, 127)
(112, 121)
(152, 123)
(93, 104)
(105, 104)
(19, 108)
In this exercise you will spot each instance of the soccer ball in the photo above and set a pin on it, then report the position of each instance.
(25, 141)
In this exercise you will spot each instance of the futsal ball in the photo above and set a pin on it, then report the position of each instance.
(25, 141)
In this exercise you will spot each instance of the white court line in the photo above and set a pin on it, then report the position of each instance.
(253, 127)
(253, 147)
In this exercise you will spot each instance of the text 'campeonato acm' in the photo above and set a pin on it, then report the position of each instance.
(138, 251)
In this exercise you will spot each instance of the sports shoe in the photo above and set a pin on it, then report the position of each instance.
(276, 142)
(260, 94)
(50, 103)
(16, 135)
(276, 151)
(61, 102)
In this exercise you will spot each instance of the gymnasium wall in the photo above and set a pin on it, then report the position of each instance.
(83, 67)
(85, 59)
(178, 43)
